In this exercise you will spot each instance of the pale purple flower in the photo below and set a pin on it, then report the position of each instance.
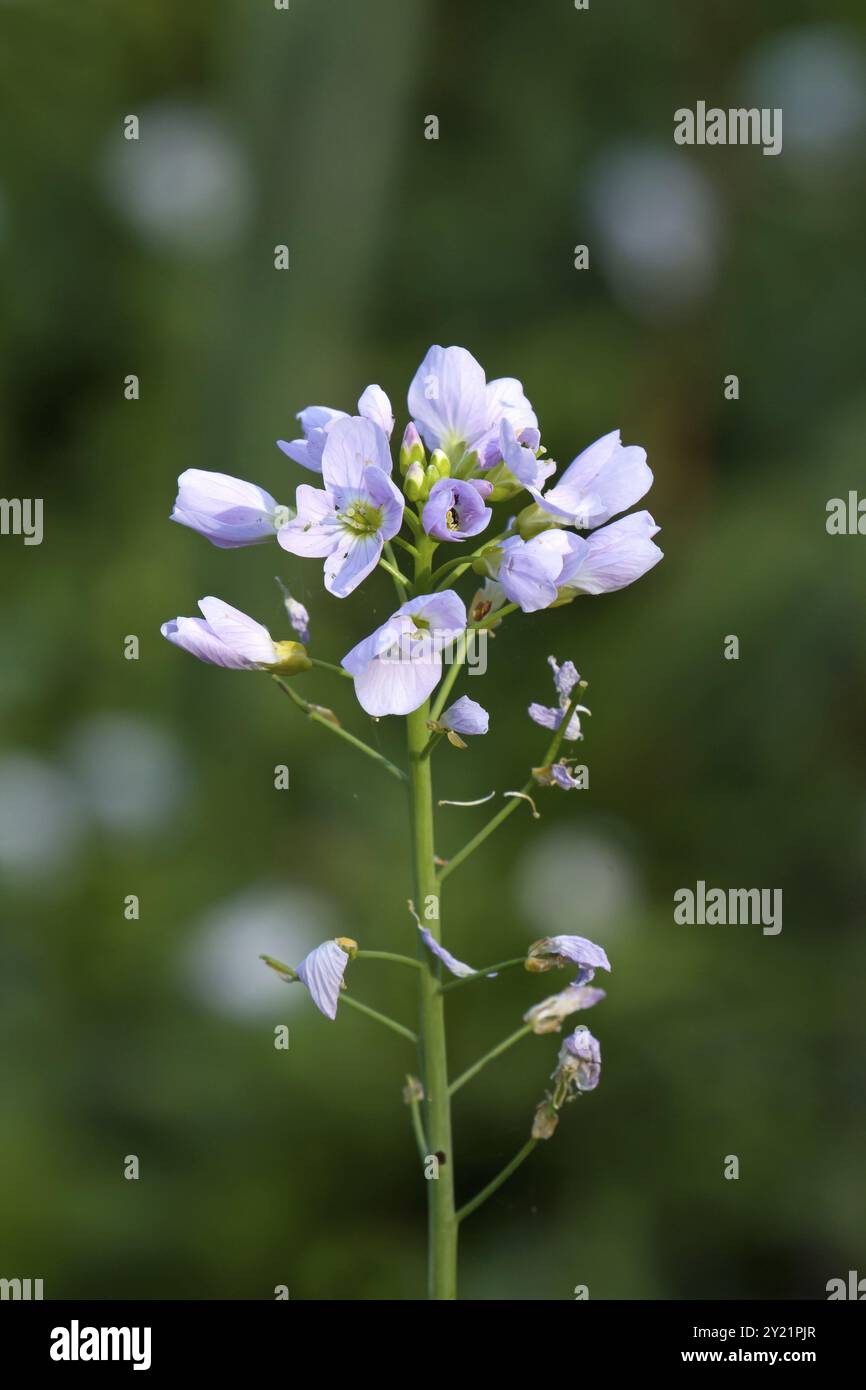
(605, 479)
(374, 405)
(579, 1062)
(562, 775)
(548, 1016)
(227, 511)
(398, 665)
(227, 637)
(611, 558)
(530, 570)
(298, 617)
(316, 421)
(559, 951)
(565, 678)
(455, 510)
(359, 508)
(322, 973)
(518, 455)
(456, 409)
(465, 716)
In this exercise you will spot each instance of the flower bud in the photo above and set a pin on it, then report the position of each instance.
(291, 657)
(441, 463)
(412, 449)
(413, 485)
(487, 563)
(533, 520)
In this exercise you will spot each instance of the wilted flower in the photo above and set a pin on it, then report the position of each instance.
(565, 678)
(545, 1121)
(558, 951)
(296, 613)
(398, 665)
(605, 479)
(226, 510)
(578, 1066)
(455, 510)
(359, 509)
(548, 1016)
(322, 973)
(227, 637)
(457, 967)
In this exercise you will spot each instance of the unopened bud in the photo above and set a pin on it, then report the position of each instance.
(412, 448)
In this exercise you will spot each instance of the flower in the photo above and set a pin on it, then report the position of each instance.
(605, 479)
(565, 678)
(579, 1062)
(529, 570)
(374, 405)
(226, 510)
(465, 716)
(455, 510)
(611, 558)
(518, 455)
(359, 509)
(457, 410)
(399, 664)
(227, 637)
(561, 774)
(322, 973)
(548, 1016)
(317, 420)
(558, 951)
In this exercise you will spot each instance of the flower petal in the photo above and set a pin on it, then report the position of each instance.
(352, 445)
(322, 973)
(239, 632)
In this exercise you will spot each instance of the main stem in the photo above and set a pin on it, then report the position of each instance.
(442, 1225)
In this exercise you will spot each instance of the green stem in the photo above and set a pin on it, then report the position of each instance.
(497, 1182)
(329, 666)
(496, 969)
(313, 713)
(514, 802)
(488, 1057)
(390, 955)
(380, 1018)
(442, 1227)
(397, 575)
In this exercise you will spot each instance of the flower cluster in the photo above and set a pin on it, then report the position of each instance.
(470, 445)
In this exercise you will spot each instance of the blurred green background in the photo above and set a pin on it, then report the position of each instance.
(155, 777)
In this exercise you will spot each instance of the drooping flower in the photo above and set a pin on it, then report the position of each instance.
(565, 678)
(529, 570)
(457, 410)
(322, 972)
(607, 478)
(455, 510)
(399, 664)
(465, 716)
(359, 508)
(610, 558)
(579, 1063)
(227, 511)
(548, 1016)
(317, 420)
(562, 775)
(227, 637)
(557, 951)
